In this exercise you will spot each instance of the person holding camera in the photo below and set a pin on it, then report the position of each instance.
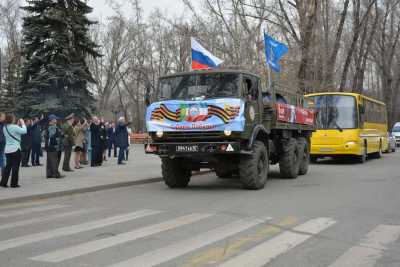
(12, 133)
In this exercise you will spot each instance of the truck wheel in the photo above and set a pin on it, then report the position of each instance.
(253, 170)
(305, 158)
(174, 173)
(289, 163)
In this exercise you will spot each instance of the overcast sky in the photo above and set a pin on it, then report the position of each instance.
(102, 8)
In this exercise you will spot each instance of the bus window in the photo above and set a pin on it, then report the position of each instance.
(336, 112)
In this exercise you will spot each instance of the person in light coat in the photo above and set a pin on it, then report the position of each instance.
(80, 129)
(12, 133)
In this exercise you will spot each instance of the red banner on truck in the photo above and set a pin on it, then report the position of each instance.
(292, 114)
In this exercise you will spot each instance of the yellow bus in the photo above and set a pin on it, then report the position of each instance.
(348, 124)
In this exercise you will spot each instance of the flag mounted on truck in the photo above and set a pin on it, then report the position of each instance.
(202, 59)
(274, 51)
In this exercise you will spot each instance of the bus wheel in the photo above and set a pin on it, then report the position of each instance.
(363, 157)
(304, 150)
(378, 155)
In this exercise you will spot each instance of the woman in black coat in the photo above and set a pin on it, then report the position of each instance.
(121, 139)
(96, 143)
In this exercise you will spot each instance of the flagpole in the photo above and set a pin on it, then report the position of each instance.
(269, 74)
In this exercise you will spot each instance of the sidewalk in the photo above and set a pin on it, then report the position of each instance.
(140, 168)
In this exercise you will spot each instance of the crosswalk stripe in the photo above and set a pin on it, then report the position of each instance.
(22, 205)
(5, 214)
(46, 219)
(371, 249)
(225, 251)
(96, 245)
(74, 229)
(270, 249)
(178, 249)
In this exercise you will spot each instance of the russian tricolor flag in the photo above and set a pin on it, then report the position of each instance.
(202, 59)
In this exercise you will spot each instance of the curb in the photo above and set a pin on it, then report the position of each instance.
(86, 190)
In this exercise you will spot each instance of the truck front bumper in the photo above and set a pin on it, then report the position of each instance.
(194, 148)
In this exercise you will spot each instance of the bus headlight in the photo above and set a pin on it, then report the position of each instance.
(227, 132)
(159, 134)
(351, 143)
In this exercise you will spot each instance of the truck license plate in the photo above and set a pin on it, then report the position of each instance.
(187, 148)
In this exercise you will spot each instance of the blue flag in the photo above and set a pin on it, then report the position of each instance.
(274, 51)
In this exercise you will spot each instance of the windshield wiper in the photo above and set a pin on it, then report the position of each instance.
(338, 127)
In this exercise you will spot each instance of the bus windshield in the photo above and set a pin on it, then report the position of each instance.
(199, 86)
(336, 112)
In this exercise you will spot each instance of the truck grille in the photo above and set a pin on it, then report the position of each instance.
(193, 135)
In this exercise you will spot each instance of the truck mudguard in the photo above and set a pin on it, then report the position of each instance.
(258, 129)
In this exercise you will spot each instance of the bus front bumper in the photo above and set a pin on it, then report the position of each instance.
(349, 148)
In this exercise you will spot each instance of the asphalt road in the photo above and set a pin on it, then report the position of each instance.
(340, 214)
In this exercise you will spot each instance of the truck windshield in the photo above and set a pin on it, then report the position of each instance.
(199, 86)
(336, 112)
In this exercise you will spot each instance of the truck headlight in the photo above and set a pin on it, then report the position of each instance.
(227, 132)
(159, 134)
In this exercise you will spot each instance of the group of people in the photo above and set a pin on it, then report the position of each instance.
(21, 140)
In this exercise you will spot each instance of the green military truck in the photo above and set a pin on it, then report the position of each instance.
(223, 120)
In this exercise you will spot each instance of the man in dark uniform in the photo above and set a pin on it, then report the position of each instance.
(121, 139)
(68, 132)
(111, 140)
(53, 145)
(96, 143)
(26, 144)
(37, 140)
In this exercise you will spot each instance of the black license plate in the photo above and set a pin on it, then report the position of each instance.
(187, 148)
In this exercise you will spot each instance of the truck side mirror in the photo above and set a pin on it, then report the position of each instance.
(361, 108)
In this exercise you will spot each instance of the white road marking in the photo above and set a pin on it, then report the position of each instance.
(371, 249)
(73, 229)
(22, 205)
(178, 249)
(5, 214)
(46, 219)
(96, 245)
(270, 249)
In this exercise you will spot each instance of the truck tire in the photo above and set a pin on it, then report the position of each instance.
(305, 155)
(253, 170)
(174, 173)
(289, 163)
